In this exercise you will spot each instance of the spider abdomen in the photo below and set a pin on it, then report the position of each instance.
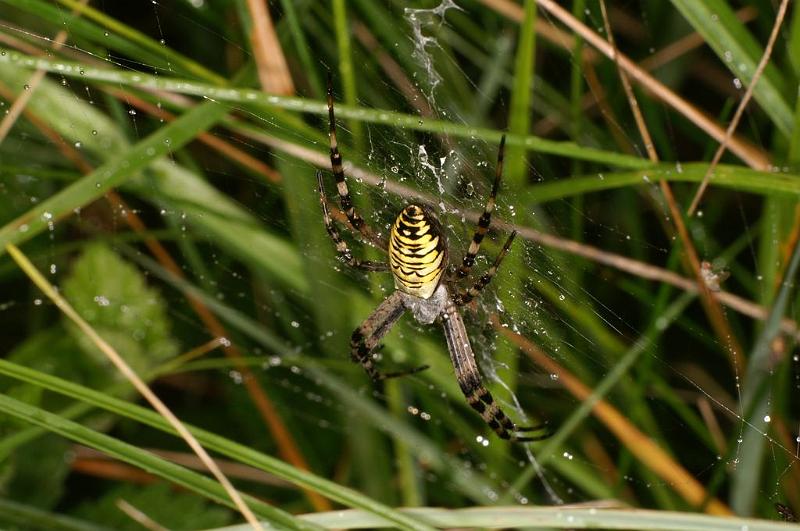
(417, 252)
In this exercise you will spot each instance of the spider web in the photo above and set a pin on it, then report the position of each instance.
(585, 317)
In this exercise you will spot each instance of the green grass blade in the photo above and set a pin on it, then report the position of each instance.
(725, 176)
(143, 459)
(738, 50)
(146, 43)
(755, 401)
(112, 174)
(551, 518)
(20, 516)
(375, 116)
(209, 440)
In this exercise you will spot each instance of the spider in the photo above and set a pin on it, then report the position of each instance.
(425, 286)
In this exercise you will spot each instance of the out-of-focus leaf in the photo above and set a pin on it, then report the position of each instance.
(114, 298)
(35, 473)
(171, 509)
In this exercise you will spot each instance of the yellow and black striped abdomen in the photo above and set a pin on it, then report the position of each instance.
(417, 252)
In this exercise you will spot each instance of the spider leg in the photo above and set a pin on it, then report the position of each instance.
(346, 201)
(466, 296)
(486, 217)
(366, 338)
(469, 379)
(341, 246)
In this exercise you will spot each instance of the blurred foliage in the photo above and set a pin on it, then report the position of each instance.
(160, 104)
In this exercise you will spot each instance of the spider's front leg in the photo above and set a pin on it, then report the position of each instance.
(367, 337)
(469, 380)
(466, 296)
(341, 246)
(486, 218)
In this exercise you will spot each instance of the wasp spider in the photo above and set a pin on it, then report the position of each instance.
(424, 285)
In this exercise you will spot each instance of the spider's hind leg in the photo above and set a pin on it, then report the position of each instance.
(482, 401)
(366, 338)
(469, 380)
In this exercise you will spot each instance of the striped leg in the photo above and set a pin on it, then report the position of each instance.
(486, 217)
(341, 246)
(338, 171)
(366, 338)
(465, 297)
(469, 379)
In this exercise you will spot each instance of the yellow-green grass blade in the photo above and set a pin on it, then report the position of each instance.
(142, 459)
(739, 52)
(376, 116)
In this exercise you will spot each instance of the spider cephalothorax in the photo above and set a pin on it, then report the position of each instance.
(418, 253)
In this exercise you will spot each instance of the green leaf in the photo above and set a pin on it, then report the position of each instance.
(114, 298)
(160, 502)
(35, 474)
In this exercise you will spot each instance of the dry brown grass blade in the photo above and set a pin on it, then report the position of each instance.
(626, 85)
(273, 71)
(687, 43)
(667, 54)
(623, 263)
(215, 143)
(21, 101)
(224, 148)
(393, 71)
(133, 378)
(288, 448)
(762, 64)
(112, 470)
(753, 156)
(641, 269)
(139, 516)
(710, 304)
(787, 247)
(714, 429)
(543, 28)
(91, 459)
(639, 444)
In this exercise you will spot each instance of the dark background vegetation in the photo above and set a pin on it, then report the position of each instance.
(241, 223)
